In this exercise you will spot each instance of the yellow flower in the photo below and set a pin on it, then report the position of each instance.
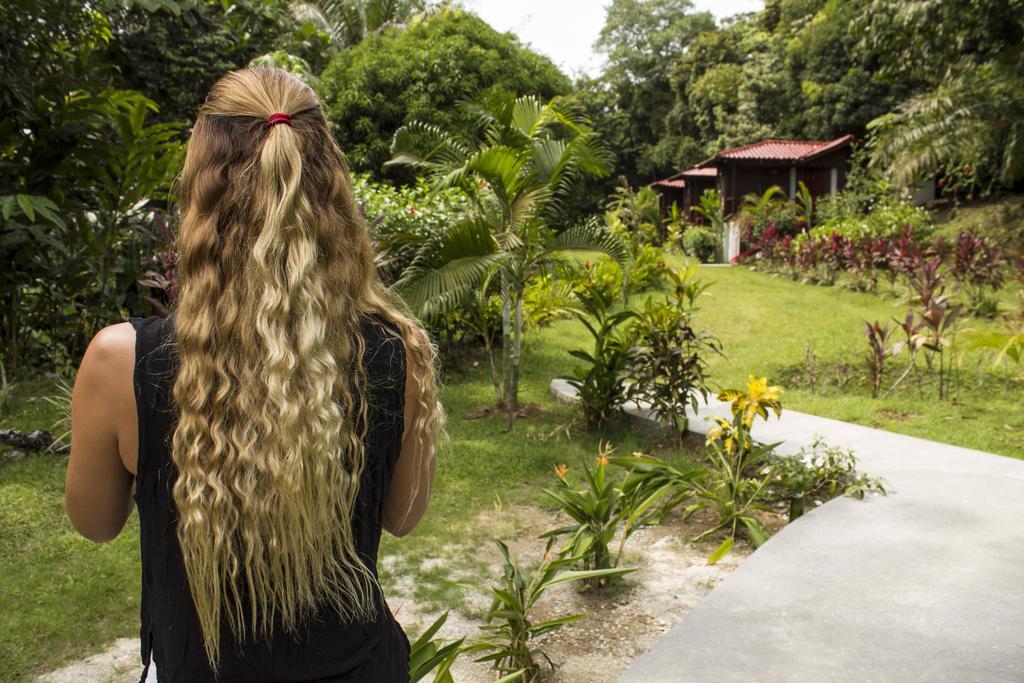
(602, 459)
(723, 431)
(758, 390)
(758, 398)
(560, 470)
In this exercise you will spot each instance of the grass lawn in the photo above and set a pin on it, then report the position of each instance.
(766, 323)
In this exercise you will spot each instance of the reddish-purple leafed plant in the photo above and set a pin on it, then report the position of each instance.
(160, 275)
(878, 352)
(940, 314)
(979, 268)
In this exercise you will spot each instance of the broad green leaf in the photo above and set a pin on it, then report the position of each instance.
(25, 202)
(722, 550)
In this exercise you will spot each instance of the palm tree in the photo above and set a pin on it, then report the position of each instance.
(974, 119)
(348, 22)
(758, 209)
(518, 170)
(804, 201)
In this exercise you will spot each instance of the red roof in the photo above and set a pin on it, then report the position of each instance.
(781, 150)
(678, 180)
(698, 172)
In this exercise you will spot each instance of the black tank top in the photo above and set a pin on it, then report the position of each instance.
(324, 648)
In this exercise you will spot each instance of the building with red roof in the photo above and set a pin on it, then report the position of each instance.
(821, 165)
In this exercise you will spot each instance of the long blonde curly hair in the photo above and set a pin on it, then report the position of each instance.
(276, 276)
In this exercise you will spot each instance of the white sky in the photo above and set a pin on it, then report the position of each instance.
(565, 30)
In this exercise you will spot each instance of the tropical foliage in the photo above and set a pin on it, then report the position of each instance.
(668, 366)
(525, 157)
(510, 633)
(349, 22)
(732, 490)
(679, 88)
(599, 511)
(600, 382)
(430, 655)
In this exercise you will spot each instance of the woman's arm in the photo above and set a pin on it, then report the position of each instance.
(104, 434)
(413, 477)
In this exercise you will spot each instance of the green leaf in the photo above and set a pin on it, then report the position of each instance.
(758, 534)
(25, 202)
(642, 507)
(554, 624)
(431, 630)
(722, 550)
(574, 575)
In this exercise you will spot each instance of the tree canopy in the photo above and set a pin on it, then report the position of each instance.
(679, 88)
(420, 74)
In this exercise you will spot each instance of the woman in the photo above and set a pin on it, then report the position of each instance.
(270, 427)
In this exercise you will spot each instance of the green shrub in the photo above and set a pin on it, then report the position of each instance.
(668, 365)
(599, 510)
(600, 280)
(701, 243)
(646, 269)
(820, 473)
(402, 219)
(421, 73)
(635, 215)
(545, 300)
(890, 219)
(600, 383)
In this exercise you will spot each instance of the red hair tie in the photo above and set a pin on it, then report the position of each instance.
(279, 118)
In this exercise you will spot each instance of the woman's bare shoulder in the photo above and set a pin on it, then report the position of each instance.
(110, 356)
(113, 342)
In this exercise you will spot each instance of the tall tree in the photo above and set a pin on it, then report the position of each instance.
(173, 56)
(970, 115)
(349, 22)
(421, 74)
(642, 39)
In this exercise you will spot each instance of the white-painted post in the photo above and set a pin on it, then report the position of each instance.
(731, 241)
(833, 181)
(792, 182)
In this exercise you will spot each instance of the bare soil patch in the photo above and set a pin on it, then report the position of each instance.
(620, 622)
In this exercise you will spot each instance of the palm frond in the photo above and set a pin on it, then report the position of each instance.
(424, 145)
(527, 115)
(442, 273)
(974, 119)
(499, 165)
(592, 235)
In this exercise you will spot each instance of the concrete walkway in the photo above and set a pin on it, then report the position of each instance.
(925, 584)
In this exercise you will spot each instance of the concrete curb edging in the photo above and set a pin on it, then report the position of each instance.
(925, 584)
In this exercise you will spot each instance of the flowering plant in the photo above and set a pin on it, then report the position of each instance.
(735, 482)
(599, 510)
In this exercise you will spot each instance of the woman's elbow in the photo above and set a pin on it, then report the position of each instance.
(96, 530)
(401, 524)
